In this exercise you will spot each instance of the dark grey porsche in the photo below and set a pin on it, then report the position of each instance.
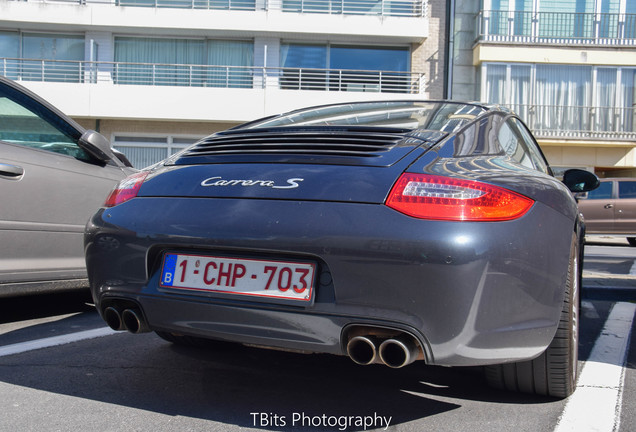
(386, 231)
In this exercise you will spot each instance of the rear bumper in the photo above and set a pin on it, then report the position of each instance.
(471, 293)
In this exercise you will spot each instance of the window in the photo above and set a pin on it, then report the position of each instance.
(345, 68)
(31, 125)
(9, 49)
(61, 54)
(564, 98)
(627, 189)
(517, 142)
(604, 191)
(183, 62)
(630, 20)
(501, 17)
(513, 146)
(531, 146)
(230, 59)
(153, 61)
(552, 21)
(627, 92)
(351, 7)
(146, 151)
(303, 66)
(50, 57)
(605, 88)
(192, 4)
(375, 69)
(566, 18)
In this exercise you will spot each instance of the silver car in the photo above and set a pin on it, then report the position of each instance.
(53, 176)
(611, 209)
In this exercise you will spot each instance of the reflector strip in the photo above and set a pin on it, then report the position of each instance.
(420, 189)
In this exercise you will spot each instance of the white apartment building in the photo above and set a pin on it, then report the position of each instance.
(567, 67)
(155, 75)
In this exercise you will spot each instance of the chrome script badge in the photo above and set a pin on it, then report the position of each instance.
(219, 181)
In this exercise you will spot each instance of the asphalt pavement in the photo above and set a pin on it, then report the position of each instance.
(603, 275)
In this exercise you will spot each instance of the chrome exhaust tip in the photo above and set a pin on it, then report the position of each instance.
(399, 352)
(362, 350)
(113, 319)
(134, 322)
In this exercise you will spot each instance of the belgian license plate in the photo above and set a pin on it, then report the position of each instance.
(288, 280)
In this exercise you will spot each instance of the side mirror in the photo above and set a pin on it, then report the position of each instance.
(96, 145)
(580, 180)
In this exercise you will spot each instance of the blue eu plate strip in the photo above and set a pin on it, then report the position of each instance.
(169, 267)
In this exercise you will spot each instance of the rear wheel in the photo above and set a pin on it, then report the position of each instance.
(554, 372)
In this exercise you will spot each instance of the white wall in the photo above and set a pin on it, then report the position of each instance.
(210, 23)
(107, 101)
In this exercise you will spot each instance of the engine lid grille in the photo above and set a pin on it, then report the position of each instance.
(328, 145)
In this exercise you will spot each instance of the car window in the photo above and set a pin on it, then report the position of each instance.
(531, 146)
(627, 189)
(513, 146)
(604, 191)
(27, 123)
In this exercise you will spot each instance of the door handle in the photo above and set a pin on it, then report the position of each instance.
(609, 206)
(11, 170)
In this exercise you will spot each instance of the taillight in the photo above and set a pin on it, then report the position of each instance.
(442, 198)
(127, 189)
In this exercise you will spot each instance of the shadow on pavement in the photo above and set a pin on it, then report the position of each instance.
(235, 385)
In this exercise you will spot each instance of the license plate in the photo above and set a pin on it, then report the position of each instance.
(289, 280)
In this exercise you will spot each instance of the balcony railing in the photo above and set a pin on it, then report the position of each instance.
(579, 122)
(556, 27)
(153, 74)
(398, 8)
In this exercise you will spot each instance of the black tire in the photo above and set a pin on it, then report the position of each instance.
(631, 241)
(554, 372)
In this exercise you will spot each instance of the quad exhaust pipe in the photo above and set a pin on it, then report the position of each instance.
(399, 352)
(362, 350)
(395, 352)
(130, 319)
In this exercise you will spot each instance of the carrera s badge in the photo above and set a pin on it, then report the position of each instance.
(219, 181)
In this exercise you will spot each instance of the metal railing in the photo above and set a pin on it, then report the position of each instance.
(556, 27)
(398, 8)
(579, 122)
(154, 74)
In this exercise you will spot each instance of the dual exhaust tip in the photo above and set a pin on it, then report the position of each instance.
(394, 352)
(130, 319)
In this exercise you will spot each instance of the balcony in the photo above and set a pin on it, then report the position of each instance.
(179, 75)
(229, 94)
(385, 8)
(579, 122)
(591, 29)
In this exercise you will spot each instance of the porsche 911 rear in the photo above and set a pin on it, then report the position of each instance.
(388, 232)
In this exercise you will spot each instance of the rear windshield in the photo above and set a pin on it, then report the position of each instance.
(439, 116)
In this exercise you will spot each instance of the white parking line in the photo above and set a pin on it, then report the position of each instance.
(54, 341)
(596, 403)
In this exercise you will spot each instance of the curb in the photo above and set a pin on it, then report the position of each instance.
(610, 287)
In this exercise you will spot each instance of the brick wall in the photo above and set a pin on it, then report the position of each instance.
(429, 57)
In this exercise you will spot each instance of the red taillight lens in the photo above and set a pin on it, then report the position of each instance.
(126, 190)
(443, 198)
